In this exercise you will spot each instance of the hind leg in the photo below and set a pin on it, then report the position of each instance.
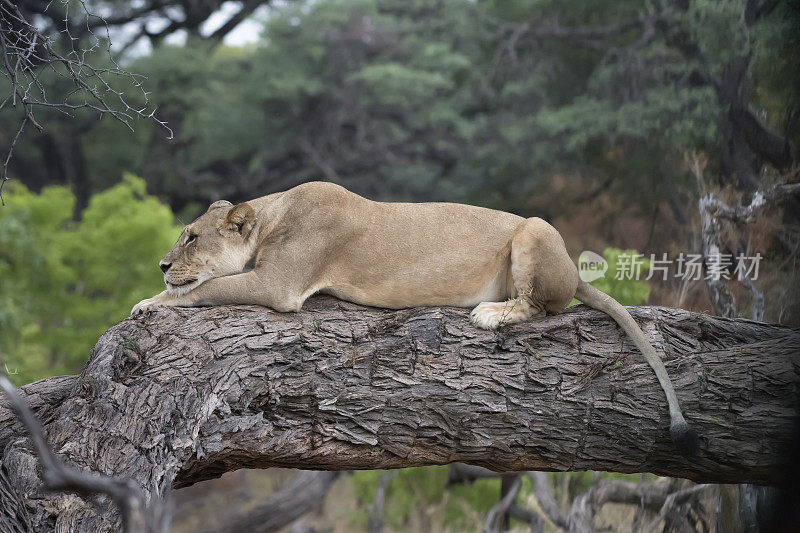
(544, 276)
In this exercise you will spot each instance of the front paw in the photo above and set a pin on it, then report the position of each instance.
(143, 306)
(159, 300)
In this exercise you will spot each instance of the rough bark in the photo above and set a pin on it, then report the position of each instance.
(177, 396)
(136, 515)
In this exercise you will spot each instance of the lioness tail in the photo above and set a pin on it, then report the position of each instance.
(686, 438)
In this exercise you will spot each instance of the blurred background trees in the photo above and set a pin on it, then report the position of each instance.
(457, 100)
(627, 124)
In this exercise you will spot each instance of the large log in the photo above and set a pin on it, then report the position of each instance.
(179, 395)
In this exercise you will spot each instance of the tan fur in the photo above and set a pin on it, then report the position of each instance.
(320, 237)
(280, 249)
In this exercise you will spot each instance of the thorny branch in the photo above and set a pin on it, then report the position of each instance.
(68, 51)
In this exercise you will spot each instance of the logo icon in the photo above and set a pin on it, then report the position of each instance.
(591, 266)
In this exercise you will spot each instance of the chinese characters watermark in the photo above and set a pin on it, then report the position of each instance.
(687, 267)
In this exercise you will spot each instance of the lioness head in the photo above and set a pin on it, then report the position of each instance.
(214, 245)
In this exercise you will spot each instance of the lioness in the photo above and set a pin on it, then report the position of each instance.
(280, 249)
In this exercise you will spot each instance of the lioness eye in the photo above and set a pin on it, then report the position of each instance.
(191, 239)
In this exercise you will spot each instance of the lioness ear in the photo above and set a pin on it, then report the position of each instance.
(219, 203)
(238, 221)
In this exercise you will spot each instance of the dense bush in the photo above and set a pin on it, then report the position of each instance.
(62, 282)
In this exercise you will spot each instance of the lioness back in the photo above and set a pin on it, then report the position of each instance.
(392, 254)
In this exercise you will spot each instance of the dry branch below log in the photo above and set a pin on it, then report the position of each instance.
(282, 507)
(181, 395)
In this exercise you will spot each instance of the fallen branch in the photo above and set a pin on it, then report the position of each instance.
(283, 507)
(650, 495)
(670, 502)
(644, 496)
(177, 396)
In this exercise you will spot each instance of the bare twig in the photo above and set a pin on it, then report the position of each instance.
(27, 49)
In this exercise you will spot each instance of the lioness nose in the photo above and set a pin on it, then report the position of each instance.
(164, 267)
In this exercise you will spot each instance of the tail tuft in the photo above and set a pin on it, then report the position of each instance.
(685, 438)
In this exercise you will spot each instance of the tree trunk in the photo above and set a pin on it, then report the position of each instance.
(177, 396)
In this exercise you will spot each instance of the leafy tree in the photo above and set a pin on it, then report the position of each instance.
(484, 102)
(63, 283)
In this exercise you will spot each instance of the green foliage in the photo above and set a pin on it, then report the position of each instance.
(464, 501)
(675, 117)
(62, 283)
(776, 71)
(625, 277)
(419, 488)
